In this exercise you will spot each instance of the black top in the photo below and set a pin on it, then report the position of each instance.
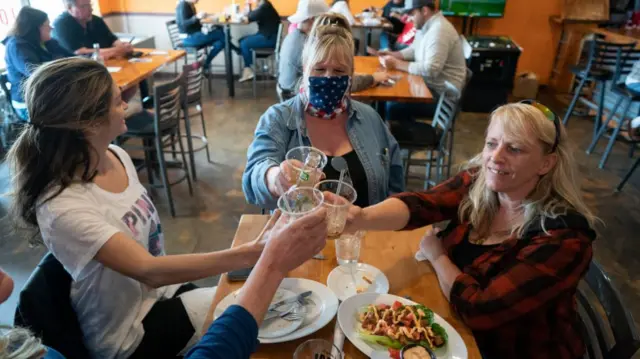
(358, 177)
(398, 25)
(72, 36)
(186, 18)
(466, 252)
(267, 17)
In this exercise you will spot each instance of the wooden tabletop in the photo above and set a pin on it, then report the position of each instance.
(132, 73)
(408, 88)
(620, 35)
(391, 252)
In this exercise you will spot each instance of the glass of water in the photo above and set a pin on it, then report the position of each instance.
(343, 195)
(348, 248)
(317, 349)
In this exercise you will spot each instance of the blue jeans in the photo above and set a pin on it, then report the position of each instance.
(215, 39)
(256, 41)
(387, 41)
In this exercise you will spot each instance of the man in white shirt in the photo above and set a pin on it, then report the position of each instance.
(436, 54)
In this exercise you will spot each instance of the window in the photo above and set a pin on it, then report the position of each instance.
(52, 8)
(8, 13)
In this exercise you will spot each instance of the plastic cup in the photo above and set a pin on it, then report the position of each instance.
(337, 204)
(300, 201)
(348, 248)
(317, 349)
(304, 177)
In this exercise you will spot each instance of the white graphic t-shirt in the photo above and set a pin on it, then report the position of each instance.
(75, 225)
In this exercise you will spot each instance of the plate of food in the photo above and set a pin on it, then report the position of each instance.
(384, 323)
(347, 281)
(320, 306)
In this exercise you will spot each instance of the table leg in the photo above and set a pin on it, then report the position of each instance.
(228, 58)
(367, 41)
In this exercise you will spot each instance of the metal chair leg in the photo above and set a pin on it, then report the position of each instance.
(184, 161)
(255, 75)
(163, 174)
(406, 168)
(574, 101)
(204, 133)
(427, 180)
(148, 159)
(628, 175)
(600, 112)
(187, 127)
(614, 136)
(604, 126)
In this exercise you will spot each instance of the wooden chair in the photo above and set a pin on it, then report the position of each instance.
(625, 59)
(617, 338)
(159, 132)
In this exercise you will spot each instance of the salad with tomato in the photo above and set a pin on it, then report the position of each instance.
(394, 326)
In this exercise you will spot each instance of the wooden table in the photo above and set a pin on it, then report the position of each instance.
(391, 252)
(409, 88)
(132, 73)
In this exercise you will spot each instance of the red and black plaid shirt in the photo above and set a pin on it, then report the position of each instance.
(519, 297)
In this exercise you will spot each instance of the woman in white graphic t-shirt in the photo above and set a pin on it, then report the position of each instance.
(84, 197)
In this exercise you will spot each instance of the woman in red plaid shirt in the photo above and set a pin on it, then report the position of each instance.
(518, 241)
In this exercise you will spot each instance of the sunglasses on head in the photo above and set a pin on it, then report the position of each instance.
(549, 114)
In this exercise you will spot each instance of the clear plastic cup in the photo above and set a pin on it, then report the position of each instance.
(300, 201)
(337, 204)
(348, 248)
(316, 349)
(306, 164)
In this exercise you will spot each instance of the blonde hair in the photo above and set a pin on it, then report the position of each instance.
(330, 37)
(18, 343)
(556, 193)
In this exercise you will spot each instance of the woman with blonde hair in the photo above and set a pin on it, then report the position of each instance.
(324, 116)
(519, 238)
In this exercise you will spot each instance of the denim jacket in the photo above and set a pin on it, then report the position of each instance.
(277, 133)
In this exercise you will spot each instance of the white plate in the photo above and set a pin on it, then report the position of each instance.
(340, 280)
(348, 319)
(321, 310)
(277, 327)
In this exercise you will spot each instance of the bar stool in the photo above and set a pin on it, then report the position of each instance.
(625, 59)
(598, 69)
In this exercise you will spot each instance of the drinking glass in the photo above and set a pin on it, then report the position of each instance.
(306, 164)
(299, 201)
(317, 349)
(348, 248)
(337, 204)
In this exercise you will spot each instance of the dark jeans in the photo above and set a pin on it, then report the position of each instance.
(215, 39)
(256, 41)
(167, 328)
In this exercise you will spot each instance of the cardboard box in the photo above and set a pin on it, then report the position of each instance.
(526, 86)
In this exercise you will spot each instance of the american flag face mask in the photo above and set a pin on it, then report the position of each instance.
(327, 96)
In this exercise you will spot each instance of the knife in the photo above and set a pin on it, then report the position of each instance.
(290, 300)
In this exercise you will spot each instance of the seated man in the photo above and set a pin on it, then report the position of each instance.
(436, 54)
(189, 23)
(77, 29)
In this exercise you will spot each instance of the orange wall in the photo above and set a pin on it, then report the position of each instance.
(284, 7)
(526, 22)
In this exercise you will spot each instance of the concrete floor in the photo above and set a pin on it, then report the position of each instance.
(207, 221)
